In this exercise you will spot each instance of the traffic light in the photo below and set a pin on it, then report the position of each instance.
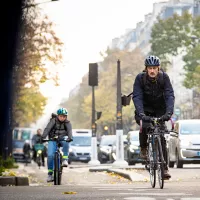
(105, 130)
(125, 100)
(93, 74)
(98, 115)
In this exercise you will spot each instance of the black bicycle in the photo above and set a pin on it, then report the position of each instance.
(57, 160)
(155, 160)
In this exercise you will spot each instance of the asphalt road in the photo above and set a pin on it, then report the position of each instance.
(85, 185)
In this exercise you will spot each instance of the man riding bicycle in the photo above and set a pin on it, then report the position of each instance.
(153, 96)
(59, 127)
(37, 139)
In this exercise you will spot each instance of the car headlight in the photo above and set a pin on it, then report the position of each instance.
(132, 148)
(105, 150)
(185, 143)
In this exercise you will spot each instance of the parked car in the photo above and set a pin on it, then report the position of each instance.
(114, 146)
(132, 149)
(104, 148)
(80, 147)
(184, 143)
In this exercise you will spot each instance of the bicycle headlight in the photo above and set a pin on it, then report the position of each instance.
(39, 151)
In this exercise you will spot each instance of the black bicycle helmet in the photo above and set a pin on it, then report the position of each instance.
(152, 61)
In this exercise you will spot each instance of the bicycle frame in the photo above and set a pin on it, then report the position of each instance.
(57, 161)
(156, 159)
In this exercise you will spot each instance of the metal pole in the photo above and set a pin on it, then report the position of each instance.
(93, 114)
(119, 125)
(94, 160)
(119, 101)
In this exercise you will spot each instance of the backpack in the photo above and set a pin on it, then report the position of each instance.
(53, 116)
(161, 78)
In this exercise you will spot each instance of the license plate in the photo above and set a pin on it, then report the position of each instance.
(83, 158)
(198, 153)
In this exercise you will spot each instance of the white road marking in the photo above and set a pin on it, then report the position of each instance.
(155, 194)
(139, 198)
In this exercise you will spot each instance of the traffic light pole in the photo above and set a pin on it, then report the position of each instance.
(94, 160)
(119, 129)
(93, 80)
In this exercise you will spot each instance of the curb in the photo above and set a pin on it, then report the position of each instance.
(132, 176)
(14, 180)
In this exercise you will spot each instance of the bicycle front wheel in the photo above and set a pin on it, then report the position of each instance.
(152, 169)
(160, 165)
(56, 169)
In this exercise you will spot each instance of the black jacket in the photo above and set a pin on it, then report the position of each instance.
(36, 139)
(57, 128)
(26, 148)
(151, 97)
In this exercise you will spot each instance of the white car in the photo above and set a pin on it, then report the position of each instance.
(184, 143)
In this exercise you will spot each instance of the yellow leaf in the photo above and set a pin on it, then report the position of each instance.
(70, 192)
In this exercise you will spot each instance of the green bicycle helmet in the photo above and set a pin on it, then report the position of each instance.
(62, 111)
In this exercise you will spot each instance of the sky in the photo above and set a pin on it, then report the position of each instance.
(86, 27)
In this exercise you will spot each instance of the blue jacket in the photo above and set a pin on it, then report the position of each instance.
(153, 97)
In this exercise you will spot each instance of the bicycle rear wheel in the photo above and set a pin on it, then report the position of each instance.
(160, 164)
(56, 169)
(152, 170)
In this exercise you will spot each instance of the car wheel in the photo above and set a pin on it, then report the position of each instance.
(179, 164)
(170, 164)
(129, 161)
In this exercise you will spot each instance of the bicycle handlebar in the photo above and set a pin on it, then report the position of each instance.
(155, 119)
(56, 140)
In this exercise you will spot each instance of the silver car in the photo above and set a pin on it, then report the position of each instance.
(184, 143)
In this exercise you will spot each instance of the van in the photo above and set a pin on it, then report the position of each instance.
(19, 135)
(80, 147)
(22, 133)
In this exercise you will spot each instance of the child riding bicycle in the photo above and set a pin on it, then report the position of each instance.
(59, 127)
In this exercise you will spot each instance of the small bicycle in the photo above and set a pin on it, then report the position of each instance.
(155, 160)
(57, 160)
(39, 149)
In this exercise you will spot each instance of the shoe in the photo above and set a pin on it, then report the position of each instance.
(50, 178)
(65, 163)
(167, 176)
(143, 153)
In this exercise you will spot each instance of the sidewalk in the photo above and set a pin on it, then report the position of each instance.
(15, 177)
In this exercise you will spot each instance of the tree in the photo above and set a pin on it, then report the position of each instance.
(170, 36)
(38, 43)
(173, 36)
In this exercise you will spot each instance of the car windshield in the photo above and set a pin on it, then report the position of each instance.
(190, 129)
(18, 144)
(135, 137)
(81, 141)
(105, 141)
(26, 135)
